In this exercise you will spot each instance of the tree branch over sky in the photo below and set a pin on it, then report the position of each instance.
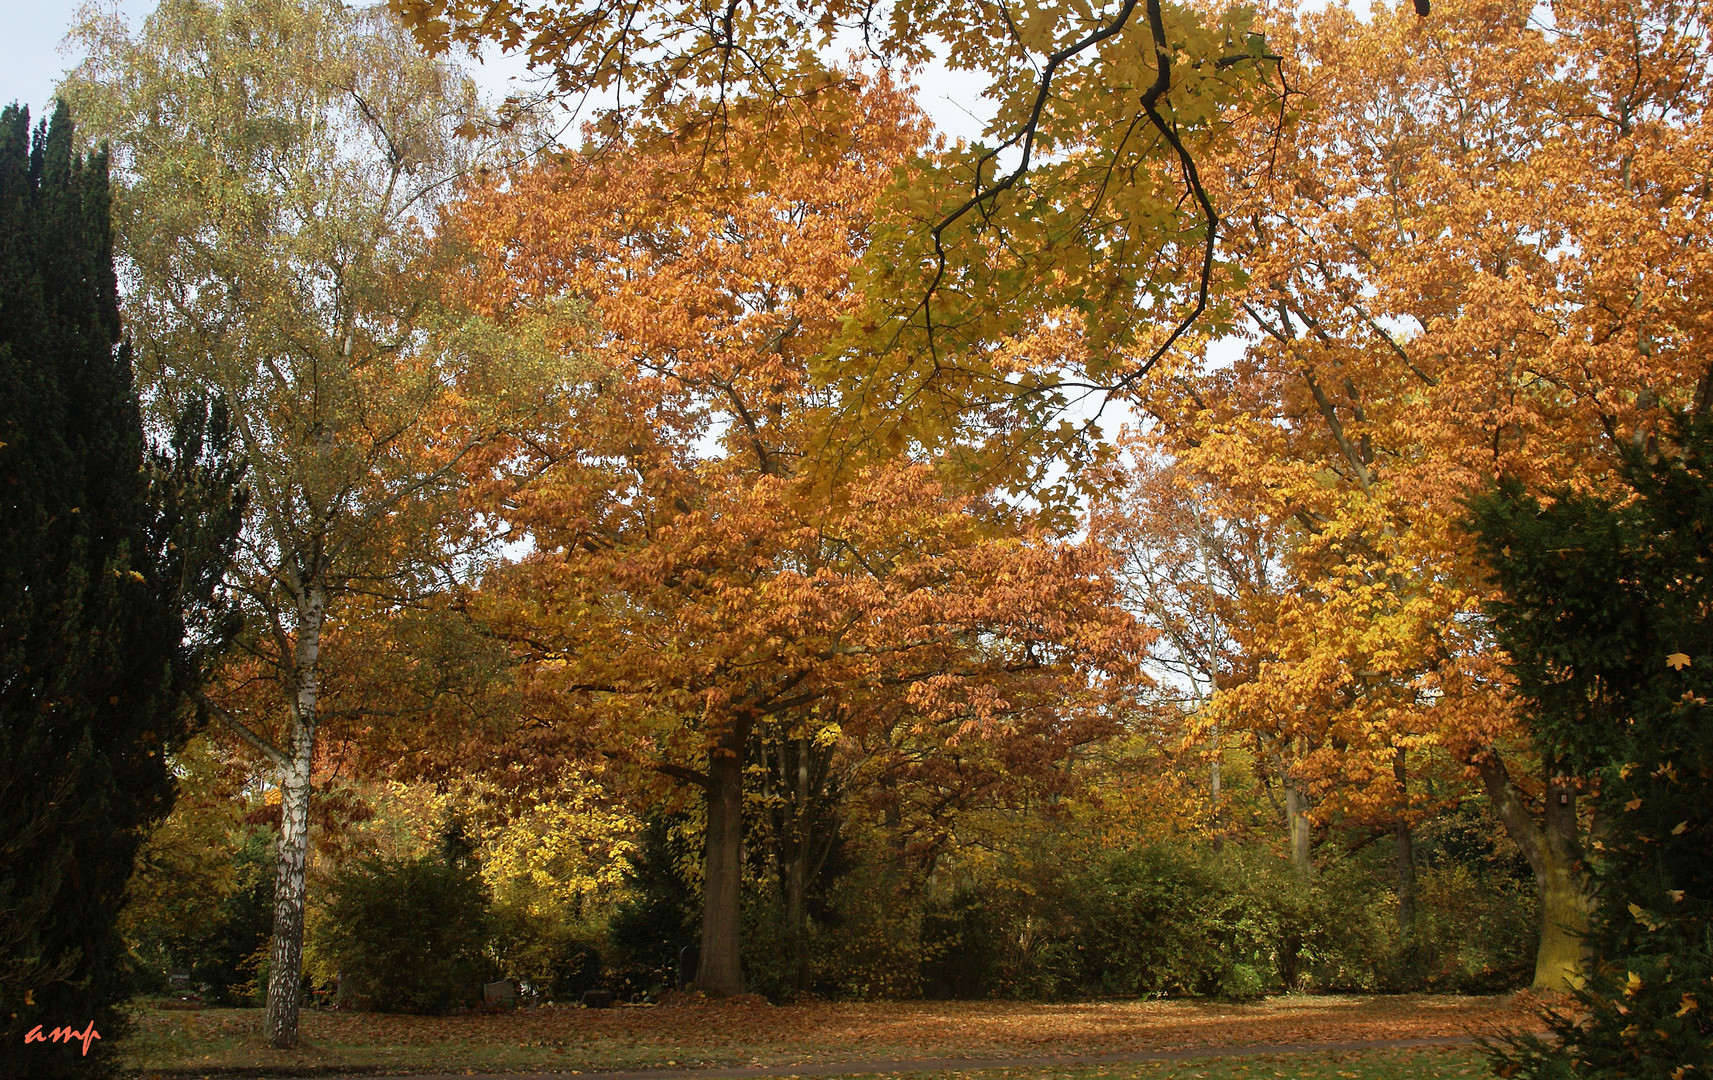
(1083, 198)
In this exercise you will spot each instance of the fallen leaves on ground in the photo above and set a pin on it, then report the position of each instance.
(561, 1038)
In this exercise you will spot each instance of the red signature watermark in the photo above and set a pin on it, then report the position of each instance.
(64, 1034)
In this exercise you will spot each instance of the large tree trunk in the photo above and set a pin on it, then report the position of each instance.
(719, 971)
(1405, 855)
(1554, 854)
(285, 956)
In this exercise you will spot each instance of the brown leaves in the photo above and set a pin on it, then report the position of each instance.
(713, 1033)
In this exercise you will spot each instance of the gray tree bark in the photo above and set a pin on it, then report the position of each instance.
(1405, 857)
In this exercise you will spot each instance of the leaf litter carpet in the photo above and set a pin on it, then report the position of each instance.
(748, 1033)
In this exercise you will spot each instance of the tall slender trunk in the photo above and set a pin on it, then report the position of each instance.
(719, 969)
(285, 956)
(1405, 858)
(797, 911)
(1302, 839)
(1554, 854)
(1214, 779)
(1214, 792)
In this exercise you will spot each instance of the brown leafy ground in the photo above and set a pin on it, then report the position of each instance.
(176, 1042)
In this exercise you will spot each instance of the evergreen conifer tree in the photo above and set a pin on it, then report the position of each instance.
(1606, 616)
(111, 555)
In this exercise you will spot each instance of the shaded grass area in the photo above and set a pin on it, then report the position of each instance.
(1435, 1063)
(181, 1043)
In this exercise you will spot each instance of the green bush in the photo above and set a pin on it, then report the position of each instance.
(661, 917)
(1161, 921)
(227, 957)
(1173, 919)
(409, 935)
(222, 940)
(876, 950)
(1472, 935)
(545, 951)
(1348, 922)
(959, 946)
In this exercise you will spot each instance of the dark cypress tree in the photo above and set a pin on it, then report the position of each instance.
(111, 555)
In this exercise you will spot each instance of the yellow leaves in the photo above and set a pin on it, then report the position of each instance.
(1632, 984)
(1680, 828)
(1633, 804)
(1645, 917)
(1677, 661)
(1686, 1005)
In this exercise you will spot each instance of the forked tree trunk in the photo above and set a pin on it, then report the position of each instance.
(1554, 854)
(285, 955)
(719, 970)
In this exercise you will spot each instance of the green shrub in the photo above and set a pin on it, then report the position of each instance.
(1348, 918)
(1472, 935)
(661, 916)
(1173, 919)
(228, 956)
(221, 937)
(545, 950)
(1143, 926)
(959, 946)
(409, 935)
(876, 950)
(1241, 982)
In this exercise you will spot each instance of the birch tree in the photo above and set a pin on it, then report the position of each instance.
(275, 162)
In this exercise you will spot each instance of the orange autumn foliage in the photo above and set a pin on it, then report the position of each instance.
(1481, 249)
(709, 562)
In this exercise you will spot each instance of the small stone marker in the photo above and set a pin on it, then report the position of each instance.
(178, 978)
(502, 993)
(597, 999)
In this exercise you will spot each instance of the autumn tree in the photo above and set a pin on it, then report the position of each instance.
(1084, 195)
(276, 163)
(1474, 254)
(1205, 579)
(711, 562)
(111, 558)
